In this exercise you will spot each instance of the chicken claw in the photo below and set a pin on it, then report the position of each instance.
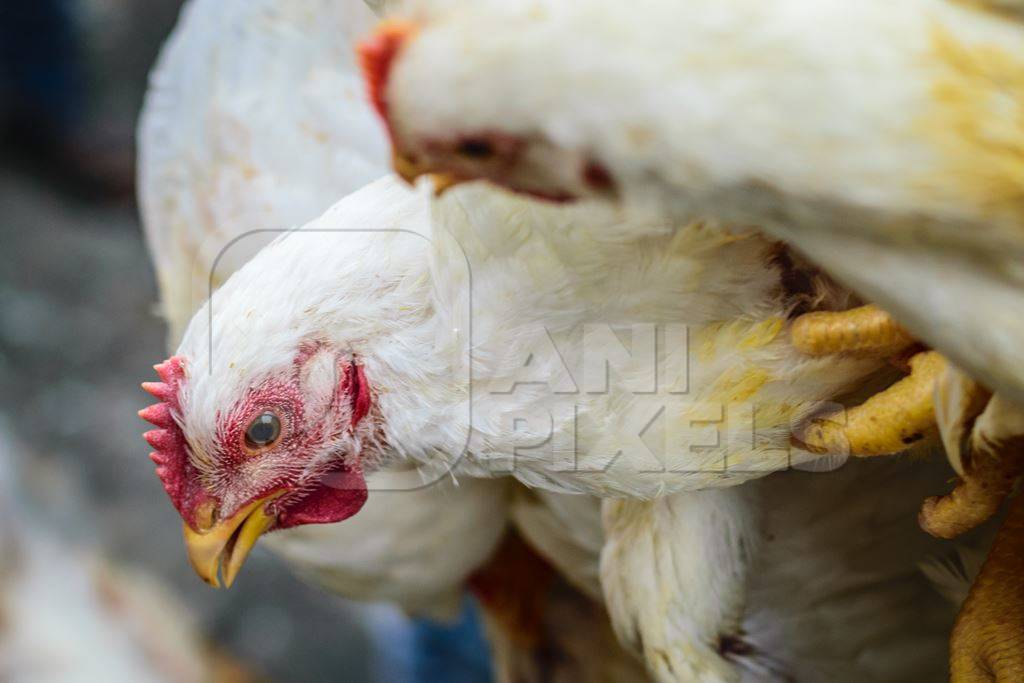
(888, 422)
(867, 330)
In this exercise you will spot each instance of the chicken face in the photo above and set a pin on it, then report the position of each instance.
(281, 450)
(519, 157)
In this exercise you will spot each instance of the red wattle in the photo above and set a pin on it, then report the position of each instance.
(339, 496)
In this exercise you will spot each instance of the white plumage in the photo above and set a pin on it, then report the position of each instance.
(255, 123)
(473, 317)
(413, 546)
(388, 319)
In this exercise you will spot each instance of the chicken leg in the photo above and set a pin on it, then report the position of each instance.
(674, 572)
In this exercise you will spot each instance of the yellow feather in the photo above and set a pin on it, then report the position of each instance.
(978, 124)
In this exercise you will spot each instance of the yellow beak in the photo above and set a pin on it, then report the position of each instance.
(224, 547)
(410, 172)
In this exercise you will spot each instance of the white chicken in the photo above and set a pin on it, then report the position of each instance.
(254, 122)
(239, 141)
(834, 596)
(389, 330)
(833, 563)
(242, 139)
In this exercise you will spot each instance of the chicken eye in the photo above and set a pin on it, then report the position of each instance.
(264, 431)
(475, 148)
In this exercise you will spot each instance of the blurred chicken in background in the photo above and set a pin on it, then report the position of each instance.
(68, 614)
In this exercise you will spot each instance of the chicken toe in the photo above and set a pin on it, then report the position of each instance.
(889, 422)
(863, 331)
(995, 460)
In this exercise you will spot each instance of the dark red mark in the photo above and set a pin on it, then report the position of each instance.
(376, 56)
(597, 177)
(489, 155)
(168, 441)
(734, 646)
(797, 282)
(475, 148)
(307, 350)
(478, 146)
(358, 391)
(552, 197)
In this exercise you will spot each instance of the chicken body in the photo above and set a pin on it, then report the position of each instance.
(216, 186)
(449, 327)
(884, 141)
(404, 323)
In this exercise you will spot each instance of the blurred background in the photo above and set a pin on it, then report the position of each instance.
(93, 576)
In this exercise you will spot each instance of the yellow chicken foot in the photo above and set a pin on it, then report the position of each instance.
(988, 640)
(889, 422)
(863, 331)
(993, 463)
(975, 499)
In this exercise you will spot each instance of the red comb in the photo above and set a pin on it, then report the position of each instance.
(168, 441)
(376, 55)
